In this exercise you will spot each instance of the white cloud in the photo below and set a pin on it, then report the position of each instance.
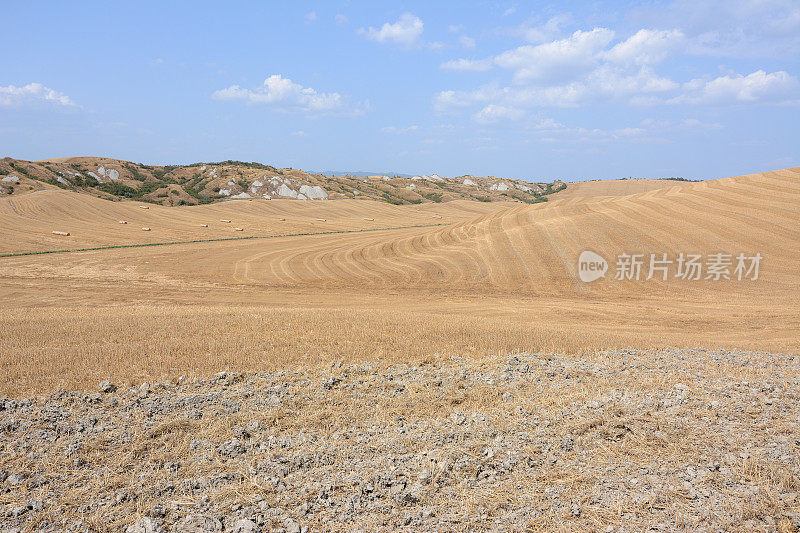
(11, 95)
(311, 16)
(446, 101)
(693, 123)
(497, 113)
(466, 42)
(731, 28)
(510, 11)
(400, 131)
(405, 32)
(548, 31)
(776, 87)
(603, 83)
(341, 19)
(610, 81)
(683, 124)
(479, 65)
(589, 67)
(645, 47)
(299, 133)
(285, 95)
(563, 59)
(456, 28)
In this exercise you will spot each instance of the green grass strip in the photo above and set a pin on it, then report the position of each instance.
(115, 246)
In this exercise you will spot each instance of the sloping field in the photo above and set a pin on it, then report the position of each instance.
(587, 189)
(495, 277)
(534, 249)
(29, 220)
(530, 249)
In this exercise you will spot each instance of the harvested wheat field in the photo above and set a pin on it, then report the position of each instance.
(354, 365)
(584, 189)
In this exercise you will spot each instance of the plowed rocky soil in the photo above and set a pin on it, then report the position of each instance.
(617, 441)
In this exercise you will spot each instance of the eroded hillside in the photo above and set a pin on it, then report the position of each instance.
(202, 183)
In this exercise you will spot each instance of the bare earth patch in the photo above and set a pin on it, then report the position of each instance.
(617, 441)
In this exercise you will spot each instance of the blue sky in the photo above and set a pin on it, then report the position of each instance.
(535, 90)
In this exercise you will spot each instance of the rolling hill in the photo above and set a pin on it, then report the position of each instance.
(353, 278)
(203, 183)
(461, 245)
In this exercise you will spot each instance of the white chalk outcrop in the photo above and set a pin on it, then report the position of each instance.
(499, 187)
(110, 173)
(314, 192)
(285, 190)
(468, 181)
(256, 186)
(11, 179)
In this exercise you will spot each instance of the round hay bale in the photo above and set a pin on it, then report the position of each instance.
(62, 233)
(145, 229)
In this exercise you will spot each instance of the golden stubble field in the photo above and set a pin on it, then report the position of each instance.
(472, 279)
